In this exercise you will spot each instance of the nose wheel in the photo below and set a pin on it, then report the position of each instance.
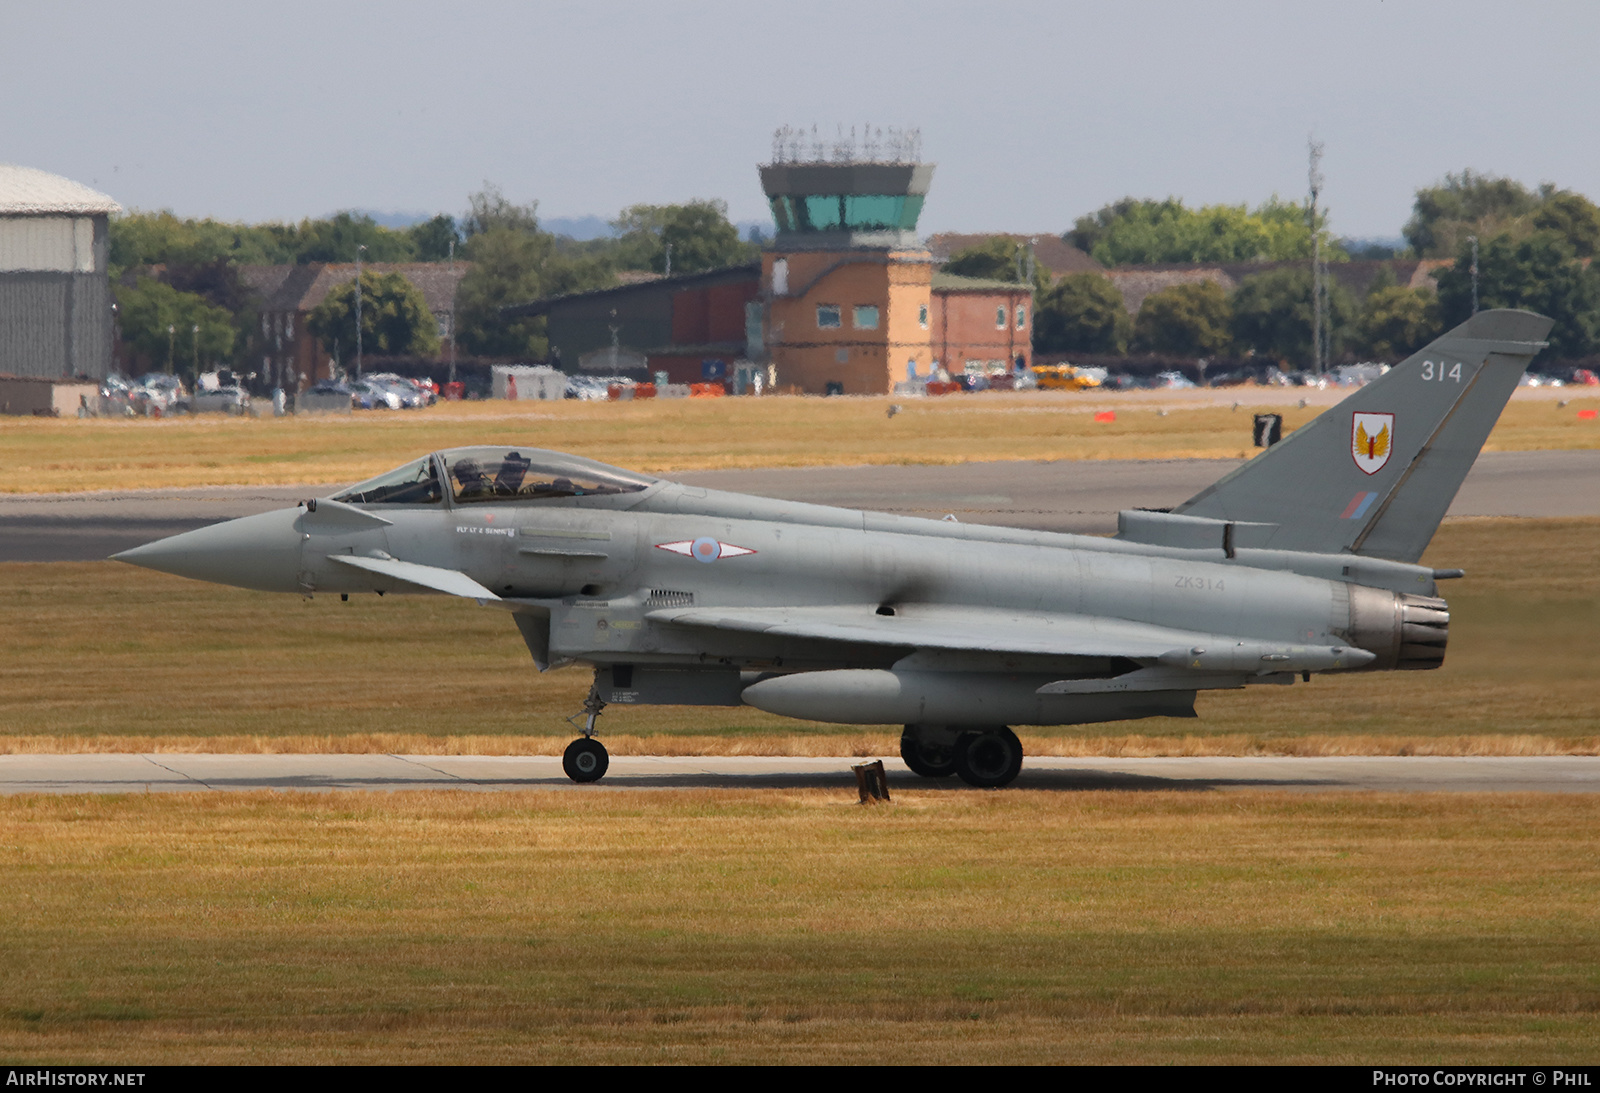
(585, 760)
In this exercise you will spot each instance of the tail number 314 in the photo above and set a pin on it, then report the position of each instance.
(1432, 371)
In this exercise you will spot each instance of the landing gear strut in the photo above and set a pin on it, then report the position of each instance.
(586, 759)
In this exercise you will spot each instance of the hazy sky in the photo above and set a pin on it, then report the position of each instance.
(1035, 113)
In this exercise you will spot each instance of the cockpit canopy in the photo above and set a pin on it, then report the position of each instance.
(495, 475)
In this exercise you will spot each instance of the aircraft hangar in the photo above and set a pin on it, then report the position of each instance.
(55, 290)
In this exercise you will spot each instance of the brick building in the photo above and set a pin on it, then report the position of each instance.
(289, 355)
(686, 325)
(980, 327)
(844, 300)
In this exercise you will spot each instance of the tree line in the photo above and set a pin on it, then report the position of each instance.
(174, 274)
(1534, 250)
(180, 296)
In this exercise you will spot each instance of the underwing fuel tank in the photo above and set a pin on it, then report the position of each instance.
(865, 696)
(1405, 632)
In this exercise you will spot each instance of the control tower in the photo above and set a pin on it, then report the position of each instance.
(845, 283)
(840, 206)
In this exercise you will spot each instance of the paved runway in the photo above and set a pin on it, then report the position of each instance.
(1079, 497)
(189, 773)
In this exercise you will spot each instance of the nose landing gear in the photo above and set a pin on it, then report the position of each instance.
(586, 759)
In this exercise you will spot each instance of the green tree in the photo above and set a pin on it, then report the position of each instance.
(514, 261)
(1539, 272)
(1081, 313)
(148, 307)
(506, 269)
(997, 258)
(489, 209)
(1573, 217)
(161, 238)
(1467, 204)
(336, 239)
(699, 232)
(1272, 314)
(1135, 232)
(994, 259)
(702, 237)
(395, 319)
(1189, 320)
(1395, 322)
(431, 239)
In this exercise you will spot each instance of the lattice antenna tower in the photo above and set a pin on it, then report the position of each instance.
(1319, 344)
(869, 144)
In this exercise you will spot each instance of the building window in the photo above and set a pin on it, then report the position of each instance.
(1022, 316)
(1000, 318)
(828, 316)
(780, 276)
(865, 317)
(922, 316)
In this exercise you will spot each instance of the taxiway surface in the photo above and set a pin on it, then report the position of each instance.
(161, 772)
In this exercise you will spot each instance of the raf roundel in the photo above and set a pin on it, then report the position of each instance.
(704, 549)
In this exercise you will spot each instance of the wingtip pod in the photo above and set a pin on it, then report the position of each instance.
(1375, 474)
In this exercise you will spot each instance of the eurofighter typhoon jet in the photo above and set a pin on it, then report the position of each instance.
(1303, 560)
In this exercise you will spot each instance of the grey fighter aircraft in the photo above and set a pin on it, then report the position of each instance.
(1303, 560)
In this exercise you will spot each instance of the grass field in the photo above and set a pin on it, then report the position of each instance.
(732, 926)
(68, 455)
(106, 657)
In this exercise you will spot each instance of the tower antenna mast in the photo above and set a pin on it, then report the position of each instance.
(1319, 358)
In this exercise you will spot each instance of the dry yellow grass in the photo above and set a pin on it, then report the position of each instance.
(48, 456)
(106, 657)
(725, 926)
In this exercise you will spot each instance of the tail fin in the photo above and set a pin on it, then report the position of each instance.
(1375, 474)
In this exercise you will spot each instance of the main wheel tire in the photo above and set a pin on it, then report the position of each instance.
(585, 760)
(989, 759)
(928, 760)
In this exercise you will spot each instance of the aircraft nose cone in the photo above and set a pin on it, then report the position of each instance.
(260, 552)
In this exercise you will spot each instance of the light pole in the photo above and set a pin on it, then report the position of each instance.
(452, 330)
(1474, 239)
(171, 330)
(359, 249)
(195, 330)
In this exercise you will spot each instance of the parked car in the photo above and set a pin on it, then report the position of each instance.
(158, 394)
(1065, 377)
(368, 395)
(415, 393)
(228, 399)
(593, 388)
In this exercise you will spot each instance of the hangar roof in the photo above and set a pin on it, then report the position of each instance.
(29, 191)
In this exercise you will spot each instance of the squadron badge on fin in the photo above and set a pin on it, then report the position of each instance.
(1371, 440)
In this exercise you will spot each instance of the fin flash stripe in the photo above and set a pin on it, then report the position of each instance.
(1358, 506)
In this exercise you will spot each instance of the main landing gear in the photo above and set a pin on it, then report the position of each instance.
(586, 759)
(987, 757)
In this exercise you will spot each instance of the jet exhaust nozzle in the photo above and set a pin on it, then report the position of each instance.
(1406, 632)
